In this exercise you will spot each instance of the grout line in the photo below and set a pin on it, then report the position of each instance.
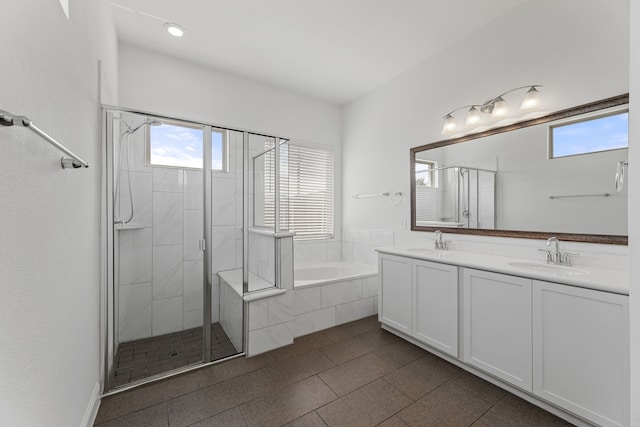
(488, 409)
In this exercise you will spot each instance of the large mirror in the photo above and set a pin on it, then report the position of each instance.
(560, 174)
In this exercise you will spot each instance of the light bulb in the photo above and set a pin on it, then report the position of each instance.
(449, 124)
(531, 99)
(500, 108)
(174, 29)
(473, 117)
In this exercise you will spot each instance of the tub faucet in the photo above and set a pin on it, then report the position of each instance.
(439, 243)
(555, 256)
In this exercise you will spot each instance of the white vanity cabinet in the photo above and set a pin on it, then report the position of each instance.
(435, 305)
(496, 311)
(581, 351)
(565, 346)
(394, 296)
(420, 299)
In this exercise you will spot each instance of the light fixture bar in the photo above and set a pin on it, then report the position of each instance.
(496, 106)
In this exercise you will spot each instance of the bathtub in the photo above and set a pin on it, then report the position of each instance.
(330, 272)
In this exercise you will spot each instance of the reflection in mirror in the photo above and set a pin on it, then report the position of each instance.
(454, 196)
(550, 175)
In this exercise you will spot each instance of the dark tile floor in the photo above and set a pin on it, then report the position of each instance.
(352, 375)
(146, 357)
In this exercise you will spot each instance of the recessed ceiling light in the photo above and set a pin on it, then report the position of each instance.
(174, 29)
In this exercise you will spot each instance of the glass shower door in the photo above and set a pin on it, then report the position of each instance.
(176, 216)
(158, 228)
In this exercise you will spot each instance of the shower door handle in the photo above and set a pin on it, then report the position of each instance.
(202, 245)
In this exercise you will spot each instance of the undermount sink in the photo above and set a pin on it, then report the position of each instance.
(557, 270)
(430, 252)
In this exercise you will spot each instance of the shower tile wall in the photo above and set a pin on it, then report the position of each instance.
(262, 259)
(161, 266)
(357, 245)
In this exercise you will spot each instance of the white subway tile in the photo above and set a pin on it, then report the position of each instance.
(269, 338)
(223, 248)
(341, 292)
(167, 218)
(168, 180)
(191, 319)
(135, 256)
(355, 310)
(310, 252)
(307, 300)
(167, 271)
(281, 308)
(258, 314)
(365, 254)
(167, 316)
(334, 251)
(314, 321)
(347, 251)
(192, 285)
(134, 309)
(223, 202)
(369, 286)
(193, 192)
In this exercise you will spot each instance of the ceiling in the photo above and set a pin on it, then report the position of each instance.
(333, 50)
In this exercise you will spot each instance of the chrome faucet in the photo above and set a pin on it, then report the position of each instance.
(555, 256)
(439, 243)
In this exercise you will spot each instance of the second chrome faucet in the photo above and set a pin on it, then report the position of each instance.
(555, 256)
(440, 244)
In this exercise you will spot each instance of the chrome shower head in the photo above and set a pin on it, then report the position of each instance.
(131, 131)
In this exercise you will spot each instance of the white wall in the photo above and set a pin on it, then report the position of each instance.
(49, 232)
(579, 51)
(634, 212)
(155, 83)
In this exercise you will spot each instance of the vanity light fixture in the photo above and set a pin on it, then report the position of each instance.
(497, 107)
(174, 29)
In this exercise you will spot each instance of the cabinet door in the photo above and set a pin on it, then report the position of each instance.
(395, 292)
(497, 325)
(581, 351)
(435, 305)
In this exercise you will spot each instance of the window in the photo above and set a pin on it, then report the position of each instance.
(425, 174)
(589, 135)
(180, 145)
(306, 192)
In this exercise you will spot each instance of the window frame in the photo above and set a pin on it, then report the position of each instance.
(203, 128)
(590, 117)
(432, 169)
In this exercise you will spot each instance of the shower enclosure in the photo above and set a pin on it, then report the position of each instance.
(178, 214)
(456, 196)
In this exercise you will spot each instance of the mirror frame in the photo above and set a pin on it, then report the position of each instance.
(562, 114)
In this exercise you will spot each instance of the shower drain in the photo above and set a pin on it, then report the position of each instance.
(174, 354)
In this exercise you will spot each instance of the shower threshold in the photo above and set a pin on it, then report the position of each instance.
(146, 357)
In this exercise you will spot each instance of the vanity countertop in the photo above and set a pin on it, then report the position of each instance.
(602, 279)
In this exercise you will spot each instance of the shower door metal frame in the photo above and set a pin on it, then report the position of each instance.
(207, 240)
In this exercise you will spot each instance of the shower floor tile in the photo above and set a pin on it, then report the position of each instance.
(135, 360)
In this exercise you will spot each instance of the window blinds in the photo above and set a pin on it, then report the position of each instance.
(306, 192)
